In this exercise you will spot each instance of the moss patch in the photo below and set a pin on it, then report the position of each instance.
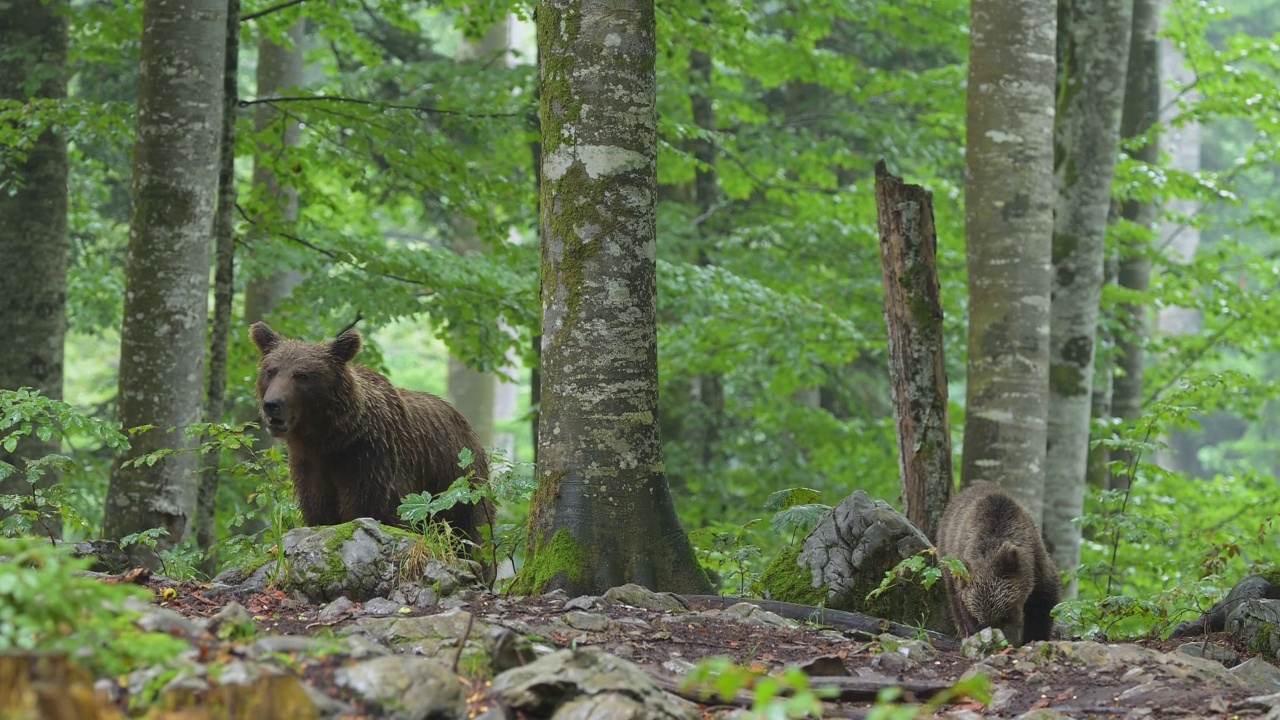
(548, 561)
(786, 581)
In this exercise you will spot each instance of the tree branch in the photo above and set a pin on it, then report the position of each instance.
(268, 11)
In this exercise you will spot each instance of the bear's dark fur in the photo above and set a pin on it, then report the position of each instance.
(1013, 583)
(357, 444)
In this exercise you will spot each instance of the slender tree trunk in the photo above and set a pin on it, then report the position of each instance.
(1092, 56)
(279, 68)
(1141, 109)
(33, 230)
(1009, 225)
(223, 291)
(472, 392)
(709, 387)
(175, 188)
(917, 363)
(603, 513)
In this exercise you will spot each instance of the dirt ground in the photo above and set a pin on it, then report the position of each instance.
(1076, 691)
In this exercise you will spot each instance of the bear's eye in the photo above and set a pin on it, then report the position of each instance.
(303, 376)
(270, 373)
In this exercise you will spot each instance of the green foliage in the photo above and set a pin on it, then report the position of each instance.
(26, 413)
(46, 603)
(921, 568)
(784, 695)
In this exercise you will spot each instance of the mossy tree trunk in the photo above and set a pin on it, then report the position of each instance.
(1008, 226)
(917, 362)
(1141, 111)
(1093, 39)
(603, 513)
(33, 227)
(175, 187)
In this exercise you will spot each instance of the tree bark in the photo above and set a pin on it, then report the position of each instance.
(1009, 225)
(603, 513)
(224, 239)
(175, 187)
(917, 362)
(279, 68)
(1141, 110)
(33, 230)
(471, 391)
(1092, 56)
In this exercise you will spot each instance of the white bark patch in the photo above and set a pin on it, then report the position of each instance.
(999, 136)
(597, 160)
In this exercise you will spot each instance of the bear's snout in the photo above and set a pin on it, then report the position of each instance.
(273, 414)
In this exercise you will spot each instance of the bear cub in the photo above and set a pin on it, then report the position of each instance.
(1013, 583)
(357, 444)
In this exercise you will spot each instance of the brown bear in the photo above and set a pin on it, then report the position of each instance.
(1013, 583)
(357, 444)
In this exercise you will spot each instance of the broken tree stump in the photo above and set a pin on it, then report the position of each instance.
(917, 366)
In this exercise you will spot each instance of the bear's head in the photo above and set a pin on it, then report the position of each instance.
(998, 588)
(301, 385)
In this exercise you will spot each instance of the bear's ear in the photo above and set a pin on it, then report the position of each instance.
(1007, 562)
(264, 337)
(346, 346)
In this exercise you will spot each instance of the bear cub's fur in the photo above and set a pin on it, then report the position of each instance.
(1013, 582)
(357, 444)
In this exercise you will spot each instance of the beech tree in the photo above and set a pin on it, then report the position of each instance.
(1008, 227)
(175, 184)
(1093, 42)
(33, 223)
(602, 515)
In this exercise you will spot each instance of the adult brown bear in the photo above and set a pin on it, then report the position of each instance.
(357, 444)
(1013, 583)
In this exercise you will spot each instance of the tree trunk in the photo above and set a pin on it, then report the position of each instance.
(1092, 54)
(1009, 225)
(917, 363)
(472, 392)
(175, 188)
(279, 68)
(603, 513)
(223, 291)
(1141, 109)
(33, 230)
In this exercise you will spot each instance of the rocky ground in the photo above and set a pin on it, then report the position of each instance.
(347, 655)
(350, 636)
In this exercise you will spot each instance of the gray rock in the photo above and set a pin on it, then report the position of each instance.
(1211, 651)
(242, 673)
(592, 622)
(286, 645)
(507, 649)
(232, 622)
(557, 680)
(851, 548)
(756, 615)
(644, 598)
(429, 635)
(1257, 622)
(1258, 674)
(406, 688)
(1253, 587)
(383, 606)
(153, 618)
(582, 602)
(340, 607)
(986, 641)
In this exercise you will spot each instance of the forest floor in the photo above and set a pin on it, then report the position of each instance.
(1075, 690)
